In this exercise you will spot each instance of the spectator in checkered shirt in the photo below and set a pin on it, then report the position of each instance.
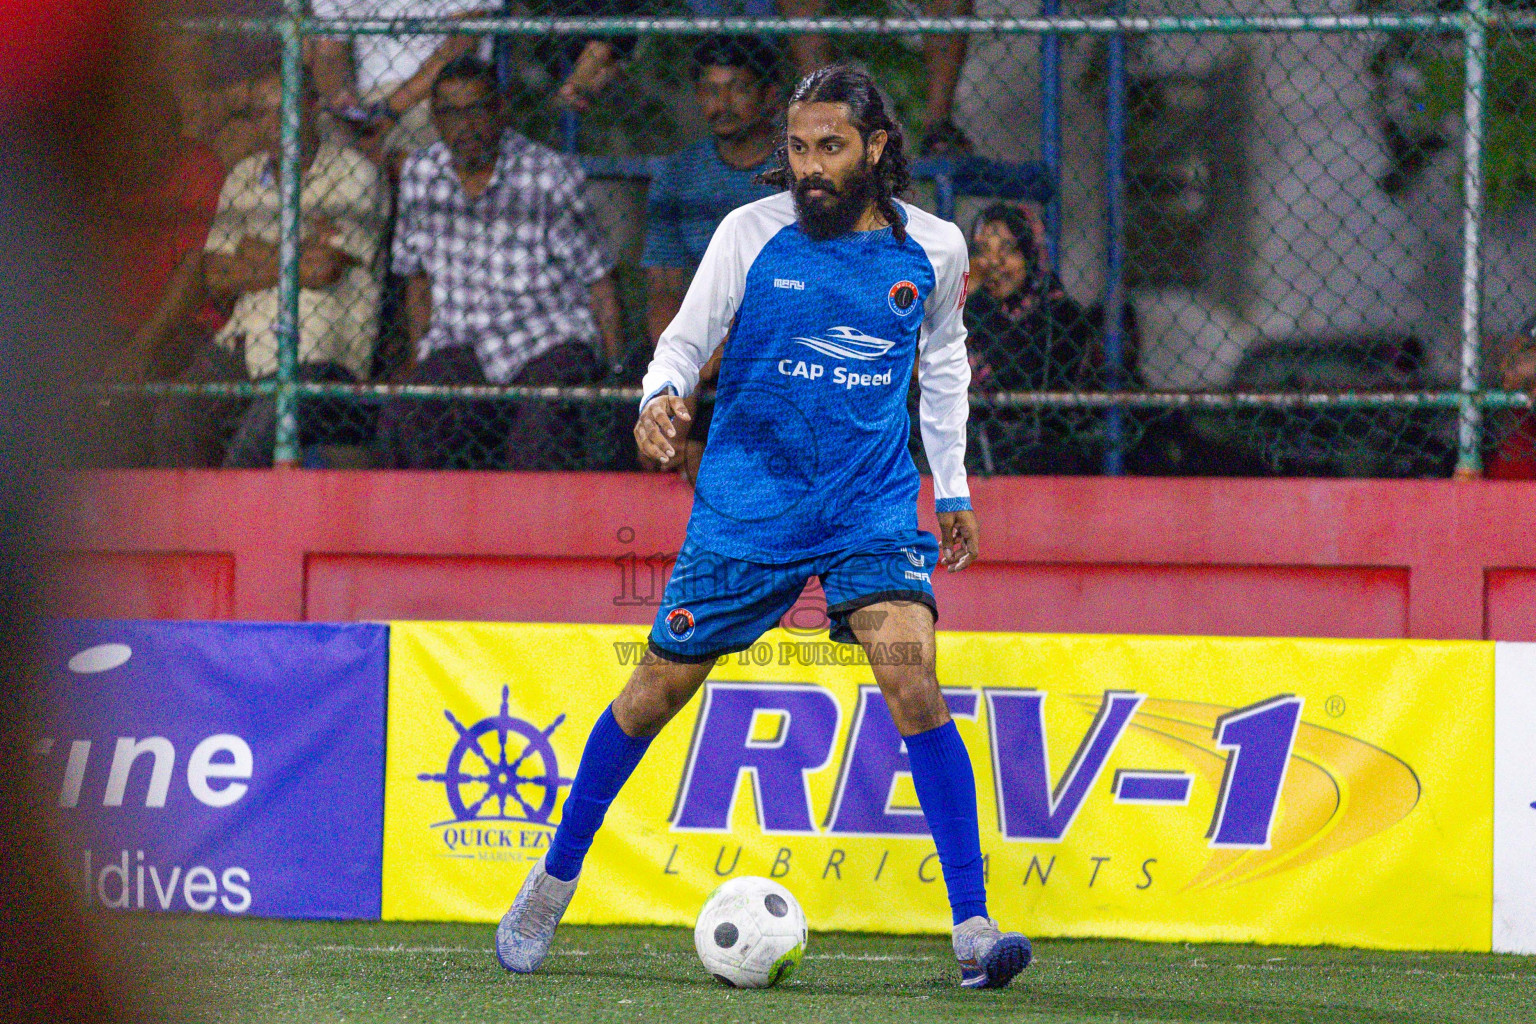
(507, 282)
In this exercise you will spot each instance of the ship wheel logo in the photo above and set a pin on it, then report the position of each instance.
(501, 769)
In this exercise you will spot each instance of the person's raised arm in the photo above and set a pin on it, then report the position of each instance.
(419, 86)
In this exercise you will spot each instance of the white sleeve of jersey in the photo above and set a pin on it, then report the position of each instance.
(943, 370)
(714, 296)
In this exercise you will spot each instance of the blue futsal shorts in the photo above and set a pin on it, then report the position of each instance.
(714, 605)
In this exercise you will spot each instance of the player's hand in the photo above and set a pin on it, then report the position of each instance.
(959, 539)
(656, 431)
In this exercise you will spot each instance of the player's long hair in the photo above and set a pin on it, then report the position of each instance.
(839, 83)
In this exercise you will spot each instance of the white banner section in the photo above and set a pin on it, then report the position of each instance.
(1514, 799)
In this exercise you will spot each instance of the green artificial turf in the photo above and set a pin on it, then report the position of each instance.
(217, 970)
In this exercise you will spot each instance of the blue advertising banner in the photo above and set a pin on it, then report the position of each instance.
(230, 768)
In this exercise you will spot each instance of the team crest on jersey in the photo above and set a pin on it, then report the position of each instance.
(902, 297)
(680, 623)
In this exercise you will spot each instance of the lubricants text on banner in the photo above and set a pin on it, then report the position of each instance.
(1162, 788)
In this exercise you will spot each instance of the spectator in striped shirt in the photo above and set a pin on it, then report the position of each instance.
(508, 281)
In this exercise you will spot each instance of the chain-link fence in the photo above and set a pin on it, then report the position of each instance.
(1225, 237)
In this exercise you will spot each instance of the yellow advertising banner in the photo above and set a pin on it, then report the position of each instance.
(1286, 791)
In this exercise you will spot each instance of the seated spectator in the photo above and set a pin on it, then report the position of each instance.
(157, 209)
(943, 55)
(343, 205)
(210, 75)
(1025, 334)
(379, 85)
(162, 207)
(507, 282)
(736, 85)
(1514, 430)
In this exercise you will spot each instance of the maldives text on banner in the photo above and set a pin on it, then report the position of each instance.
(219, 767)
(1287, 791)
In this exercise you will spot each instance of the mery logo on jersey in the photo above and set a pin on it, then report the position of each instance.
(680, 623)
(789, 283)
(848, 343)
(902, 297)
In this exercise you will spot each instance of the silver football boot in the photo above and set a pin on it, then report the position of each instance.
(528, 926)
(989, 958)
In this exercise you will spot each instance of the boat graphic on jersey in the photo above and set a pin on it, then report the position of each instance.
(848, 343)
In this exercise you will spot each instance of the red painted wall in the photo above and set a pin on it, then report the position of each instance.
(1346, 558)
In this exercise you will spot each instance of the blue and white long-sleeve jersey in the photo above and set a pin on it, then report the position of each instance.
(807, 451)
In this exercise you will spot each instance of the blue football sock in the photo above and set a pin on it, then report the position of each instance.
(606, 764)
(946, 788)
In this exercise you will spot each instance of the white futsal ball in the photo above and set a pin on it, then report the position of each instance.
(751, 933)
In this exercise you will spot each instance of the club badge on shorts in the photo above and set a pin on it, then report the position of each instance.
(680, 624)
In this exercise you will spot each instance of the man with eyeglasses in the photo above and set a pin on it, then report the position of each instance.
(379, 84)
(508, 281)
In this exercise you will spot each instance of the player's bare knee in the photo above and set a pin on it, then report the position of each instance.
(655, 693)
(647, 710)
(916, 702)
(644, 706)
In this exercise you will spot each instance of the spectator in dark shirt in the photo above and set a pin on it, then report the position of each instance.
(1025, 334)
(737, 87)
(508, 281)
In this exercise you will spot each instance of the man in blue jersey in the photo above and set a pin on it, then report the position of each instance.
(830, 292)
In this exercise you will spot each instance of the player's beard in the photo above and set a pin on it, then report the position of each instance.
(836, 212)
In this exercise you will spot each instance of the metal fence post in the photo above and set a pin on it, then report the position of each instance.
(1114, 248)
(1469, 434)
(1050, 130)
(285, 450)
